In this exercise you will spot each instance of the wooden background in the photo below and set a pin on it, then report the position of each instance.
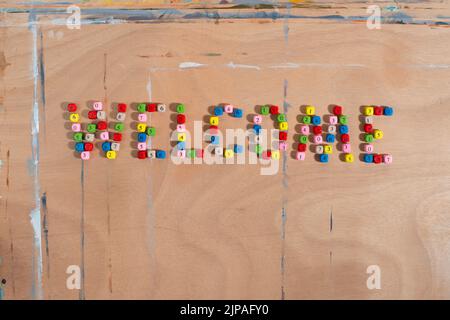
(154, 230)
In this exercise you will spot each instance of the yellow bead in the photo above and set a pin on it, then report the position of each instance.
(228, 153)
(349, 157)
(368, 111)
(111, 154)
(74, 117)
(377, 134)
(214, 121)
(327, 149)
(141, 127)
(310, 110)
(181, 136)
(276, 154)
(283, 126)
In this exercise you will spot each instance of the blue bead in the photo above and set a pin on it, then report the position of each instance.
(323, 158)
(218, 111)
(388, 111)
(315, 120)
(106, 146)
(237, 113)
(215, 139)
(142, 137)
(368, 158)
(160, 154)
(330, 138)
(181, 145)
(79, 146)
(238, 148)
(257, 128)
(343, 129)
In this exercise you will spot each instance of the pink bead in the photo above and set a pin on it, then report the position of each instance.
(387, 158)
(301, 156)
(333, 120)
(142, 146)
(318, 139)
(85, 155)
(142, 117)
(98, 105)
(257, 119)
(181, 153)
(368, 148)
(181, 128)
(304, 129)
(104, 135)
(228, 108)
(76, 127)
(282, 146)
(346, 147)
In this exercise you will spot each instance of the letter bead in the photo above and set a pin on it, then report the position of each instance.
(282, 146)
(161, 107)
(237, 113)
(265, 110)
(111, 154)
(387, 158)
(214, 121)
(181, 136)
(97, 105)
(301, 156)
(74, 117)
(332, 129)
(378, 111)
(142, 117)
(151, 154)
(349, 157)
(228, 108)
(337, 110)
(319, 149)
(218, 151)
(377, 134)
(318, 139)
(121, 107)
(181, 154)
(72, 107)
(228, 153)
(142, 146)
(333, 120)
(275, 154)
(120, 116)
(76, 127)
(368, 111)
(310, 110)
(115, 146)
(283, 126)
(142, 154)
(346, 147)
(141, 127)
(304, 129)
(368, 120)
(323, 158)
(85, 155)
(368, 148)
(89, 137)
(388, 111)
(257, 119)
(327, 149)
(101, 115)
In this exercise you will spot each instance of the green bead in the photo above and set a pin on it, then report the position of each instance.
(151, 131)
(265, 110)
(118, 126)
(304, 139)
(180, 108)
(281, 117)
(91, 127)
(306, 119)
(191, 153)
(142, 107)
(78, 136)
(343, 120)
(258, 149)
(368, 138)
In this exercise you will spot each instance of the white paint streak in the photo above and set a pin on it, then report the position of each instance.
(242, 66)
(288, 65)
(190, 65)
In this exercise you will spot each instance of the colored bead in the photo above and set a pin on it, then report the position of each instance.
(377, 134)
(282, 135)
(333, 120)
(79, 146)
(120, 116)
(76, 127)
(257, 119)
(378, 111)
(282, 146)
(275, 154)
(115, 146)
(214, 121)
(214, 139)
(343, 120)
(152, 107)
(181, 128)
(89, 137)
(119, 127)
(121, 107)
(303, 139)
(281, 117)
(218, 111)
(304, 129)
(301, 147)
(181, 145)
(237, 113)
(258, 149)
(102, 125)
(368, 120)
(283, 126)
(349, 157)
(368, 111)
(181, 108)
(85, 155)
(330, 138)
(191, 153)
(257, 128)
(267, 155)
(97, 105)
(213, 130)
(91, 127)
(141, 127)
(142, 137)
(106, 146)
(368, 158)
(92, 114)
(238, 148)
(161, 107)
(265, 110)
(315, 120)
(387, 158)
(141, 107)
(273, 110)
(142, 154)
(332, 129)
(345, 138)
(310, 110)
(142, 117)
(323, 158)
(318, 139)
(111, 155)
(368, 138)
(151, 131)
(301, 156)
(368, 148)
(181, 136)
(327, 149)
(101, 115)
(337, 110)
(228, 153)
(388, 111)
(160, 154)
(72, 107)
(74, 117)
(306, 119)
(228, 108)
(78, 136)
(181, 154)
(368, 128)
(88, 146)
(343, 129)
(142, 146)
(377, 158)
(346, 147)
(117, 136)
(319, 149)
(317, 130)
(151, 154)
(218, 151)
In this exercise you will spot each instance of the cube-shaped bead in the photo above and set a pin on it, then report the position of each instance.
(102, 125)
(121, 107)
(218, 151)
(301, 156)
(318, 139)
(92, 114)
(368, 158)
(228, 108)
(388, 111)
(89, 137)
(181, 108)
(368, 120)
(218, 111)
(306, 119)
(281, 117)
(327, 149)
(282, 135)
(142, 137)
(283, 126)
(181, 154)
(98, 105)
(345, 138)
(74, 117)
(228, 153)
(119, 127)
(378, 110)
(214, 121)
(78, 136)
(343, 119)
(315, 120)
(323, 158)
(160, 154)
(85, 155)
(71, 107)
(101, 115)
(343, 129)
(142, 146)
(332, 129)
(265, 110)
(283, 146)
(181, 136)
(303, 139)
(304, 129)
(106, 146)
(377, 158)
(319, 149)
(368, 138)
(317, 130)
(142, 117)
(151, 131)
(76, 127)
(214, 139)
(115, 146)
(310, 110)
(368, 111)
(141, 127)
(258, 149)
(257, 119)
(238, 148)
(330, 138)
(151, 154)
(117, 136)
(301, 147)
(79, 147)
(181, 118)
(161, 107)
(237, 113)
(141, 107)
(91, 127)
(142, 154)
(152, 107)
(346, 147)
(349, 157)
(181, 128)
(191, 153)
(181, 145)
(273, 110)
(111, 154)
(368, 128)
(368, 148)
(333, 119)
(378, 134)
(337, 110)
(275, 154)
(257, 128)
(387, 158)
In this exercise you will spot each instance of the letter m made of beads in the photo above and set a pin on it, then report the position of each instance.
(109, 134)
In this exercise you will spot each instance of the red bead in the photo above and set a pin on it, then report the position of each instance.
(200, 153)
(213, 127)
(72, 107)
(301, 147)
(181, 118)
(268, 153)
(117, 136)
(142, 154)
(317, 130)
(92, 114)
(368, 128)
(377, 158)
(121, 107)
(152, 107)
(337, 110)
(282, 135)
(102, 125)
(345, 138)
(378, 111)
(88, 146)
(273, 110)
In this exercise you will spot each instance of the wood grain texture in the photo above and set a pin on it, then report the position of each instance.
(155, 230)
